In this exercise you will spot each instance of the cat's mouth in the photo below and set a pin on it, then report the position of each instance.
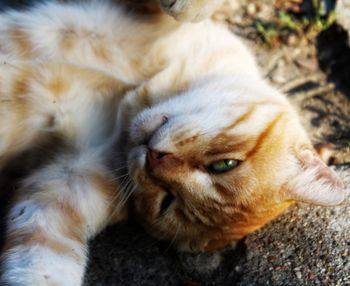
(166, 202)
(138, 166)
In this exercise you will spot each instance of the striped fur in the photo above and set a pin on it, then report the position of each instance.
(193, 92)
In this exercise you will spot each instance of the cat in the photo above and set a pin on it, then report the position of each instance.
(213, 151)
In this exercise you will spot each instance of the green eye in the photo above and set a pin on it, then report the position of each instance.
(223, 166)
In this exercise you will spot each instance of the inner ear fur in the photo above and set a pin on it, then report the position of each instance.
(315, 182)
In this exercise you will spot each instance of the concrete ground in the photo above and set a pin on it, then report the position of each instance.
(307, 245)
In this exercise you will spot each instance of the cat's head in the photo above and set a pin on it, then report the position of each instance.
(220, 161)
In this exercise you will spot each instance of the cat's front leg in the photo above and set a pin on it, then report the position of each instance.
(58, 209)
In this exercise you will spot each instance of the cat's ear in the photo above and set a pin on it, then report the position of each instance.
(316, 183)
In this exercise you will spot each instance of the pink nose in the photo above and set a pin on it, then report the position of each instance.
(155, 158)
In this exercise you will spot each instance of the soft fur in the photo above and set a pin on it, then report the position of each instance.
(194, 96)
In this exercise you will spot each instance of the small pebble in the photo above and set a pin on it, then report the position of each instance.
(279, 79)
(251, 9)
(312, 276)
(298, 275)
(292, 40)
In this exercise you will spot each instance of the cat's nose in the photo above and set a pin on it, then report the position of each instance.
(156, 158)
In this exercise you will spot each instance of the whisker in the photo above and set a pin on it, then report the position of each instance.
(122, 202)
(115, 179)
(123, 195)
(128, 194)
(120, 168)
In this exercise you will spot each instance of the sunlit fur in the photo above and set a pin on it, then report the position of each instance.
(193, 92)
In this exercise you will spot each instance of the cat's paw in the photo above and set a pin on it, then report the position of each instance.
(37, 266)
(133, 102)
(190, 10)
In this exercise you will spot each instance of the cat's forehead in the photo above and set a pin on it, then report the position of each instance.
(212, 114)
(216, 129)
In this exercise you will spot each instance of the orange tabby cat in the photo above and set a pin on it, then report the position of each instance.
(214, 152)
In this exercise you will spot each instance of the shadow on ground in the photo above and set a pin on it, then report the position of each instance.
(333, 57)
(126, 255)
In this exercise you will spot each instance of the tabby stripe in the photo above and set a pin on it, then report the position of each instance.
(264, 135)
(21, 42)
(182, 215)
(241, 119)
(223, 192)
